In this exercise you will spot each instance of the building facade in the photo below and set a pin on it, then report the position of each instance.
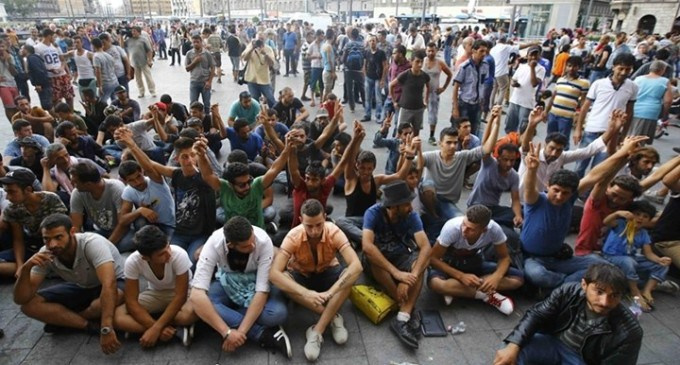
(650, 16)
(75, 8)
(145, 8)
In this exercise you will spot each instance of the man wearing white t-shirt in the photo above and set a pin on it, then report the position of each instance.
(525, 81)
(239, 305)
(167, 270)
(459, 268)
(606, 95)
(59, 78)
(501, 55)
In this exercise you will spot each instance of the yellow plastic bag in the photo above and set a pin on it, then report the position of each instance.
(375, 304)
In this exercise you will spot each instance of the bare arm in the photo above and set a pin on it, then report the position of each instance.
(207, 173)
(672, 179)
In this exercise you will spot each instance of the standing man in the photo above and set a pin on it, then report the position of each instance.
(260, 57)
(60, 81)
(104, 71)
(353, 59)
(39, 76)
(501, 55)
(290, 42)
(525, 82)
(415, 85)
(234, 52)
(92, 270)
(201, 67)
(315, 279)
(141, 56)
(214, 42)
(375, 69)
(468, 85)
(120, 58)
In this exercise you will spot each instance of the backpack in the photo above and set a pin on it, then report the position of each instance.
(186, 46)
(355, 57)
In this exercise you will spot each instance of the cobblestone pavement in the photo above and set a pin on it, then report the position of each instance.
(26, 343)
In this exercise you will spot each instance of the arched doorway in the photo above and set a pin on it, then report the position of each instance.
(647, 24)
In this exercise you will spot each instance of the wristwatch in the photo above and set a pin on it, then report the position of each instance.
(105, 330)
(226, 336)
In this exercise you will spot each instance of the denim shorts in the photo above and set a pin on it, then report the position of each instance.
(320, 281)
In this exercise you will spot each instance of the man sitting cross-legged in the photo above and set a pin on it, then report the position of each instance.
(240, 305)
(167, 270)
(397, 253)
(315, 279)
(459, 268)
(92, 270)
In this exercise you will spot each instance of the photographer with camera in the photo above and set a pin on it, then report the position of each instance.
(259, 57)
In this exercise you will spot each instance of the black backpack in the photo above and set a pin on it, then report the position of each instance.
(355, 58)
(186, 46)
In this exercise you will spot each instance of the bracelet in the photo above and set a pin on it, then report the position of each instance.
(226, 336)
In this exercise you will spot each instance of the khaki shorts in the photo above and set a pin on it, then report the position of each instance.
(155, 301)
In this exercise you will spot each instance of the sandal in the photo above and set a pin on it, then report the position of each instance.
(644, 305)
(648, 299)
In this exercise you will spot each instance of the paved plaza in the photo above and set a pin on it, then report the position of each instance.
(26, 343)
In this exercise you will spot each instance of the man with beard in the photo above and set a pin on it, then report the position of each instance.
(92, 270)
(579, 323)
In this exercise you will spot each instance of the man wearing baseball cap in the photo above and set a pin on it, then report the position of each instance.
(131, 109)
(26, 210)
(396, 254)
(525, 81)
(31, 153)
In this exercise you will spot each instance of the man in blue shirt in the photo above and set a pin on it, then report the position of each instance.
(548, 261)
(241, 138)
(290, 42)
(244, 108)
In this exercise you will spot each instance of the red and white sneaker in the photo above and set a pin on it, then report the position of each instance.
(504, 304)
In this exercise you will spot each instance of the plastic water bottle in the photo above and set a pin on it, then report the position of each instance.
(459, 328)
(635, 307)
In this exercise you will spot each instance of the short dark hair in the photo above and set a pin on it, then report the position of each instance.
(662, 54)
(558, 138)
(190, 133)
(128, 168)
(432, 45)
(237, 156)
(55, 220)
(565, 178)
(448, 131)
(456, 122)
(343, 138)
(63, 127)
(150, 239)
(112, 121)
(419, 54)
(196, 105)
(479, 214)
(404, 125)
(606, 274)
(166, 99)
(355, 33)
(400, 49)
(477, 44)
(316, 169)
(86, 171)
(624, 59)
(646, 151)
(237, 229)
(183, 143)
(97, 43)
(627, 182)
(240, 123)
(20, 124)
(62, 108)
(576, 61)
(508, 147)
(366, 156)
(19, 98)
(312, 208)
(197, 36)
(644, 207)
(302, 126)
(235, 170)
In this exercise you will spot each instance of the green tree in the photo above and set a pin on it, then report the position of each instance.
(19, 8)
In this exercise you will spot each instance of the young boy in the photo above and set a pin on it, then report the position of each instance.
(167, 270)
(560, 62)
(570, 93)
(621, 249)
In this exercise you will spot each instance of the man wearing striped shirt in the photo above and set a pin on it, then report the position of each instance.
(569, 94)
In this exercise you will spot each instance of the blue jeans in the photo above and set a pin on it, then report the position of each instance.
(373, 93)
(108, 92)
(471, 111)
(257, 90)
(124, 82)
(549, 272)
(189, 243)
(596, 75)
(546, 349)
(561, 125)
(315, 78)
(633, 266)
(197, 88)
(126, 244)
(274, 313)
(589, 137)
(447, 55)
(517, 116)
(113, 150)
(45, 96)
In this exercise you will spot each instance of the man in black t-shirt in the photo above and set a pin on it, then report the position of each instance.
(413, 82)
(601, 54)
(289, 108)
(375, 68)
(176, 110)
(234, 49)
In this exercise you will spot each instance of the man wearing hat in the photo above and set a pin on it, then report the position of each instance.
(31, 153)
(322, 120)
(396, 253)
(131, 110)
(26, 210)
(525, 81)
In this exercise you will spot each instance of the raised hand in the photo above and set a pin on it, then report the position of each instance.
(531, 160)
(536, 116)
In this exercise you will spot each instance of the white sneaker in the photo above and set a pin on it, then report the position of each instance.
(501, 302)
(313, 345)
(448, 299)
(338, 330)
(668, 286)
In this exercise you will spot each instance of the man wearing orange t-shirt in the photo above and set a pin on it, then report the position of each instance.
(306, 269)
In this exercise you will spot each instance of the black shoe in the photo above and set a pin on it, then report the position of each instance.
(275, 338)
(403, 331)
(271, 228)
(286, 75)
(305, 98)
(344, 101)
(172, 64)
(51, 328)
(366, 119)
(2, 333)
(676, 149)
(414, 324)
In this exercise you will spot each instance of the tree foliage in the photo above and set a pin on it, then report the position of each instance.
(19, 8)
